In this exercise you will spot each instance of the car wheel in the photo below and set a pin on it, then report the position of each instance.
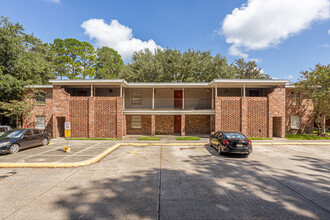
(14, 149)
(45, 141)
(246, 155)
(211, 143)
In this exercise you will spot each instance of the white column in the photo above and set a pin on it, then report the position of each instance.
(153, 98)
(216, 91)
(212, 99)
(182, 98)
(92, 91)
(124, 98)
(121, 90)
(244, 90)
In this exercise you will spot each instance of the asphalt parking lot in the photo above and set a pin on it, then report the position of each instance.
(176, 182)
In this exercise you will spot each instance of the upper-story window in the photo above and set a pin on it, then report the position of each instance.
(136, 97)
(40, 97)
(295, 98)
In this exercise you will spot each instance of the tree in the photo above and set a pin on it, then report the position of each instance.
(248, 70)
(19, 109)
(166, 65)
(316, 85)
(109, 63)
(74, 59)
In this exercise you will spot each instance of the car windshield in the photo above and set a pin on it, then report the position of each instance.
(12, 134)
(233, 135)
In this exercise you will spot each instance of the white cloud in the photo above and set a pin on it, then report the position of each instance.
(54, 1)
(325, 45)
(116, 36)
(329, 31)
(260, 24)
(290, 77)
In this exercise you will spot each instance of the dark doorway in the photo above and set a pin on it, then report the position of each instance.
(60, 126)
(277, 126)
(177, 124)
(178, 99)
(254, 93)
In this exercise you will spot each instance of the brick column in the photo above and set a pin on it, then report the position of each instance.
(183, 125)
(153, 125)
(244, 122)
(91, 117)
(212, 120)
(217, 117)
(120, 118)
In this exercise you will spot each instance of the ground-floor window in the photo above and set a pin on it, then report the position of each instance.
(295, 122)
(136, 122)
(40, 122)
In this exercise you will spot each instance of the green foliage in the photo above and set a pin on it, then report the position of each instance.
(73, 59)
(305, 137)
(18, 109)
(109, 63)
(248, 70)
(187, 138)
(315, 84)
(167, 65)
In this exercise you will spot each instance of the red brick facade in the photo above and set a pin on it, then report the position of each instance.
(103, 117)
(304, 109)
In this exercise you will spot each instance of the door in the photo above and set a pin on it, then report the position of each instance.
(178, 99)
(277, 126)
(27, 139)
(177, 123)
(60, 126)
(38, 136)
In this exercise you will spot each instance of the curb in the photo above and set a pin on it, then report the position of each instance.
(109, 150)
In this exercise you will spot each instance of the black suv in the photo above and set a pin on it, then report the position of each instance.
(14, 140)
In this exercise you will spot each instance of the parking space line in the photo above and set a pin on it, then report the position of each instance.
(206, 154)
(133, 152)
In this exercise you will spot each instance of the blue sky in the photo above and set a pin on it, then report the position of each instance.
(284, 36)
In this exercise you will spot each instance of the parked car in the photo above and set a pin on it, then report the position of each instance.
(14, 140)
(4, 128)
(231, 142)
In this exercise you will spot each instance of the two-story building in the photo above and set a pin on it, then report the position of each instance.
(116, 108)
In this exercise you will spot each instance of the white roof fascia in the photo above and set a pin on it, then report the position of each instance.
(88, 82)
(167, 85)
(251, 82)
(39, 86)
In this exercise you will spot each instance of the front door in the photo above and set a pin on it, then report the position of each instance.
(178, 99)
(60, 126)
(177, 123)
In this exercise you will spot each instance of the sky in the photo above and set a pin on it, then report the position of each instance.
(284, 37)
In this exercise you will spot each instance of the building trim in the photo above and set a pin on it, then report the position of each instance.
(168, 112)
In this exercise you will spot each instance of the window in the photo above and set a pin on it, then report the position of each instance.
(28, 133)
(136, 122)
(295, 122)
(136, 97)
(41, 97)
(40, 122)
(295, 98)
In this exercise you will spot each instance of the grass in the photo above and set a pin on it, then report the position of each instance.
(305, 137)
(100, 139)
(258, 138)
(148, 139)
(188, 138)
(327, 132)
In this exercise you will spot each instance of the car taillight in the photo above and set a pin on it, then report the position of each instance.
(250, 142)
(227, 142)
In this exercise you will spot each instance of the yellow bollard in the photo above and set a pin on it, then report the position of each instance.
(67, 149)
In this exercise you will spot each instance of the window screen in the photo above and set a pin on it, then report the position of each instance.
(295, 122)
(295, 98)
(136, 97)
(40, 122)
(135, 121)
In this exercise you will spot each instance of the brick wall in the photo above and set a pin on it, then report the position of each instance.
(305, 110)
(197, 124)
(164, 124)
(145, 126)
(228, 114)
(61, 100)
(276, 107)
(45, 109)
(105, 115)
(257, 116)
(79, 117)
